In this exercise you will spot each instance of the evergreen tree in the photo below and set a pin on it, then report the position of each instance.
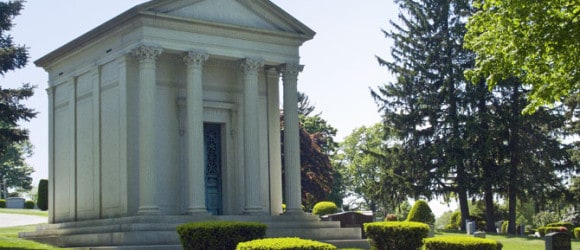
(12, 111)
(425, 106)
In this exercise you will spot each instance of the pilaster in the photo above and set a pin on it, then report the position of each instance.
(250, 68)
(147, 57)
(196, 167)
(293, 191)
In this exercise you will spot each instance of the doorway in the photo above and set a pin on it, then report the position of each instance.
(213, 167)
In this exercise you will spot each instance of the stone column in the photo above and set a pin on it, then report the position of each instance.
(275, 156)
(250, 68)
(195, 167)
(293, 190)
(147, 57)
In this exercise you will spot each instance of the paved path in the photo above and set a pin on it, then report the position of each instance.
(13, 220)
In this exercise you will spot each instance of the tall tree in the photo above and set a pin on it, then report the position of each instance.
(425, 105)
(12, 111)
(14, 172)
(536, 41)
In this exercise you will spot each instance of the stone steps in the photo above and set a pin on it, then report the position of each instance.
(160, 232)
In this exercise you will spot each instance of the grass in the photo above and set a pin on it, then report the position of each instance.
(516, 243)
(24, 211)
(9, 239)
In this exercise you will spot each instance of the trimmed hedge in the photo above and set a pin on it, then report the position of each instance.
(324, 208)
(218, 235)
(29, 204)
(461, 243)
(42, 201)
(577, 233)
(421, 212)
(396, 235)
(284, 244)
(2, 203)
(569, 226)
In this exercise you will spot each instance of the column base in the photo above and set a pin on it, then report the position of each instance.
(295, 211)
(149, 210)
(197, 211)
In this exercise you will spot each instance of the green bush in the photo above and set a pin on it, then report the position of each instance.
(324, 208)
(504, 227)
(577, 233)
(461, 243)
(42, 201)
(29, 204)
(455, 221)
(396, 235)
(218, 235)
(569, 226)
(421, 212)
(284, 244)
(2, 203)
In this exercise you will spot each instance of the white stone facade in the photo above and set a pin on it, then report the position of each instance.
(128, 102)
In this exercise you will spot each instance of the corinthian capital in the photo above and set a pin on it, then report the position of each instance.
(195, 58)
(147, 53)
(290, 70)
(251, 65)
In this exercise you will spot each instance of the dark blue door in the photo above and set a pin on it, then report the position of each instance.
(213, 168)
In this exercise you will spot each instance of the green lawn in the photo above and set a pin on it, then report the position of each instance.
(517, 243)
(24, 211)
(9, 239)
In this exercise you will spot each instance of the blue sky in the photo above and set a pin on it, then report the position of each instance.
(340, 63)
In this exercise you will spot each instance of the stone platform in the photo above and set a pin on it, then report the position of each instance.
(159, 232)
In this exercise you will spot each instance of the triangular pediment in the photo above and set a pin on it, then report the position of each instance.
(258, 14)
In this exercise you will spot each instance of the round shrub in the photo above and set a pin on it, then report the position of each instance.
(577, 233)
(454, 221)
(461, 243)
(29, 204)
(324, 208)
(2, 203)
(43, 195)
(421, 212)
(396, 235)
(569, 226)
(218, 235)
(284, 244)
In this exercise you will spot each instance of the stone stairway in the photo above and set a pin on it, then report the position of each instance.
(159, 232)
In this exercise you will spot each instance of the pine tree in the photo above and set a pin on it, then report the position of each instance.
(425, 105)
(12, 57)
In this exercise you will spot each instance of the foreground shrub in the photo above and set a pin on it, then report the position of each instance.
(396, 235)
(2, 203)
(421, 212)
(324, 208)
(577, 233)
(218, 235)
(461, 243)
(569, 226)
(284, 244)
(29, 204)
(42, 201)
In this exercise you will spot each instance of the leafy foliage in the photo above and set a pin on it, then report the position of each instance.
(223, 235)
(13, 167)
(461, 243)
(396, 235)
(13, 139)
(371, 170)
(536, 41)
(284, 244)
(43, 195)
(421, 212)
(324, 208)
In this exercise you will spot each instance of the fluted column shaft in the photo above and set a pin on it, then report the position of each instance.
(293, 190)
(250, 69)
(147, 57)
(196, 167)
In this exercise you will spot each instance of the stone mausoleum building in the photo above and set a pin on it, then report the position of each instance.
(169, 113)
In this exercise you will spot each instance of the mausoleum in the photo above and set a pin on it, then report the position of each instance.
(169, 113)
